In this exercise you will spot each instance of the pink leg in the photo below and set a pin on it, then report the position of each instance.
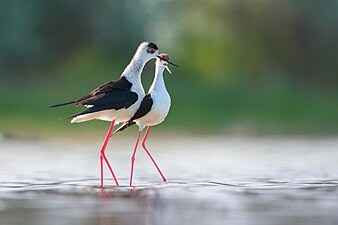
(148, 153)
(101, 169)
(133, 158)
(103, 155)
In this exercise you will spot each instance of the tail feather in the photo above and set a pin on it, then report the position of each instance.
(61, 104)
(124, 126)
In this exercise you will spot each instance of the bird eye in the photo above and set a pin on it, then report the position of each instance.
(151, 51)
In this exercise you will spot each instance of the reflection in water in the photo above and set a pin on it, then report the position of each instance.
(127, 207)
(119, 207)
(211, 181)
(178, 202)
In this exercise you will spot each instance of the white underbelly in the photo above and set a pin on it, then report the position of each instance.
(151, 119)
(157, 114)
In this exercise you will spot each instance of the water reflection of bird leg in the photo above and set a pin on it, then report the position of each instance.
(111, 201)
(105, 218)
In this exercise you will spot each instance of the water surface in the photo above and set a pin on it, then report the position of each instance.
(213, 180)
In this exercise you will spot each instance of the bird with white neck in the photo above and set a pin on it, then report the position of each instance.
(117, 100)
(153, 110)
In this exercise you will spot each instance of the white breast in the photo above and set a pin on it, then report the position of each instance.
(159, 109)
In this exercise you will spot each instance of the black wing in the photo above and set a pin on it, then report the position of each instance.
(144, 109)
(120, 87)
(111, 95)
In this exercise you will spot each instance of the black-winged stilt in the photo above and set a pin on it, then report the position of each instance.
(153, 110)
(116, 101)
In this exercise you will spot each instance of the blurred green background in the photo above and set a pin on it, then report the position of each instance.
(250, 66)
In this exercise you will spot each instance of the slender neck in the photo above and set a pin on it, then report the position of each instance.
(158, 82)
(135, 67)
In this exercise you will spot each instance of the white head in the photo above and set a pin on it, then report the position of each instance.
(147, 51)
(162, 62)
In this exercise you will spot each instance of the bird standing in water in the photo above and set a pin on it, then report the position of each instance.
(116, 101)
(153, 110)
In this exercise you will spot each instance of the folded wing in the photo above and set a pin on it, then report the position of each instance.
(111, 95)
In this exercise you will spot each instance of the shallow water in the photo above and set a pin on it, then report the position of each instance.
(210, 181)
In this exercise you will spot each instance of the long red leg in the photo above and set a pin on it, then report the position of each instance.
(103, 155)
(101, 169)
(148, 153)
(133, 158)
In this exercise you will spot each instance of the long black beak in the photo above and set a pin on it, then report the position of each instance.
(167, 61)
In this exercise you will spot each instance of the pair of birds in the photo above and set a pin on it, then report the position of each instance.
(124, 101)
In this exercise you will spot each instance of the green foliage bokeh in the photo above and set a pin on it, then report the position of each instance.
(266, 66)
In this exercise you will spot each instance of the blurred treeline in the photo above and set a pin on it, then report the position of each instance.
(246, 66)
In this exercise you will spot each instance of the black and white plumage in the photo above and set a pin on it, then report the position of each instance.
(113, 95)
(152, 111)
(156, 104)
(145, 108)
(116, 101)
